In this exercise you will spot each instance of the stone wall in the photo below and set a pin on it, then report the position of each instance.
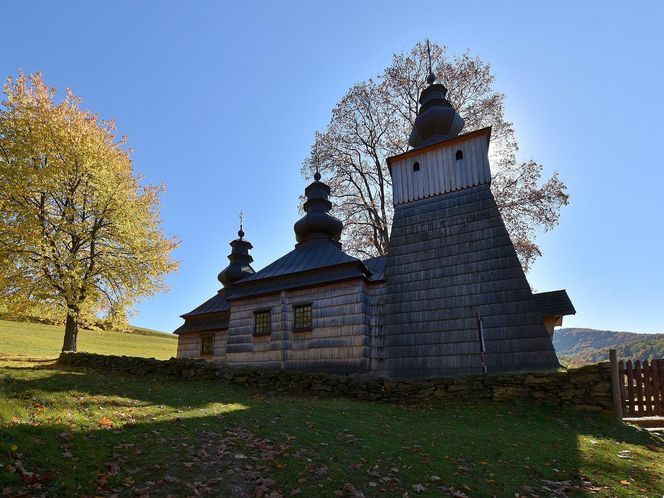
(587, 388)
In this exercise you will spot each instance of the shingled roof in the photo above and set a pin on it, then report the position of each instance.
(211, 315)
(302, 259)
(377, 267)
(194, 323)
(215, 304)
(555, 303)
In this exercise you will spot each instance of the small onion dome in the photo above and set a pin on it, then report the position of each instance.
(436, 120)
(240, 261)
(317, 223)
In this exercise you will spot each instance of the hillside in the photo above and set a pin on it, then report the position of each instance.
(37, 340)
(577, 346)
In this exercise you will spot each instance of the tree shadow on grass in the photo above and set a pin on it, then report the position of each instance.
(27, 362)
(169, 435)
(161, 391)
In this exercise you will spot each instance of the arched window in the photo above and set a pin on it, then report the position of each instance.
(416, 166)
(459, 155)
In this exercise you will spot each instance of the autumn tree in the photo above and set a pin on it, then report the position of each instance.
(373, 121)
(79, 231)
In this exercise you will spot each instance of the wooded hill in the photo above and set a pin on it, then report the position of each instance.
(581, 346)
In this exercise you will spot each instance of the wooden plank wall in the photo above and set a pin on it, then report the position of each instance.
(642, 387)
(189, 345)
(338, 342)
(440, 171)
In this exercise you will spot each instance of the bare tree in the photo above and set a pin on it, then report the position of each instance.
(373, 121)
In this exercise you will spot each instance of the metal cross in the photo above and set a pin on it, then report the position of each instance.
(317, 173)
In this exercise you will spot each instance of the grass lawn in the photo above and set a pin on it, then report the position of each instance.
(36, 340)
(74, 432)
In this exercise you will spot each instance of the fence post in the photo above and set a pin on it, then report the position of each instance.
(615, 384)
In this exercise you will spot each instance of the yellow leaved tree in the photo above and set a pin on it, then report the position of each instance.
(77, 229)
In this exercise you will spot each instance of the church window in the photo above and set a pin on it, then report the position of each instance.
(262, 322)
(416, 166)
(206, 344)
(459, 155)
(302, 317)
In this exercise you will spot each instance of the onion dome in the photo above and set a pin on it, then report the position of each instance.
(436, 120)
(240, 261)
(317, 223)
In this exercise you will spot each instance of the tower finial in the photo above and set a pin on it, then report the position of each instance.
(432, 77)
(241, 232)
(317, 176)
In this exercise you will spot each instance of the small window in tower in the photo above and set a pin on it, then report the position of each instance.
(459, 155)
(303, 319)
(206, 344)
(416, 166)
(262, 322)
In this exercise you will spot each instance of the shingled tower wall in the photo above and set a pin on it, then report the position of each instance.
(451, 261)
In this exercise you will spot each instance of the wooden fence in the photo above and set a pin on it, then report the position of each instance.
(641, 387)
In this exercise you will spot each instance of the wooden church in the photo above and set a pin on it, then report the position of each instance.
(449, 298)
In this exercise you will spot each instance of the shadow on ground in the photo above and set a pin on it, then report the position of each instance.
(85, 433)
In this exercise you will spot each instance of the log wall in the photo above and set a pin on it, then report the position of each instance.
(340, 339)
(189, 345)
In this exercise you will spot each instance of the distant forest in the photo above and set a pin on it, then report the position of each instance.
(576, 347)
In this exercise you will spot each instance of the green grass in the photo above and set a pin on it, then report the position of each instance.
(36, 340)
(74, 432)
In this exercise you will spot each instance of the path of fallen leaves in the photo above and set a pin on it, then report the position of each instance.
(233, 460)
(236, 463)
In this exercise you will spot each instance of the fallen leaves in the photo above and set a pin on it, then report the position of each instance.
(105, 422)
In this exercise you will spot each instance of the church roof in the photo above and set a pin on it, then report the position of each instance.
(304, 258)
(555, 303)
(203, 323)
(215, 304)
(301, 280)
(316, 260)
(211, 315)
(377, 267)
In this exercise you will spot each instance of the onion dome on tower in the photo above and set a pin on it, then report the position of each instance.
(240, 260)
(436, 120)
(317, 223)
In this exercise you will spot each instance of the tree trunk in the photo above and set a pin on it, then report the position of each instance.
(71, 329)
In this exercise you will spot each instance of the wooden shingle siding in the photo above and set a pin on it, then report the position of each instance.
(189, 345)
(451, 257)
(339, 340)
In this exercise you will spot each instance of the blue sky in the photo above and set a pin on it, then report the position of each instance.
(221, 102)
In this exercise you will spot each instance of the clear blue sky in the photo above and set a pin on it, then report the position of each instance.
(221, 102)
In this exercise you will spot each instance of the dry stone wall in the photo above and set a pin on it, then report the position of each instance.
(587, 388)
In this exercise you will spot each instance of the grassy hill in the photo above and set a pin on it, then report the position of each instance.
(577, 346)
(38, 340)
